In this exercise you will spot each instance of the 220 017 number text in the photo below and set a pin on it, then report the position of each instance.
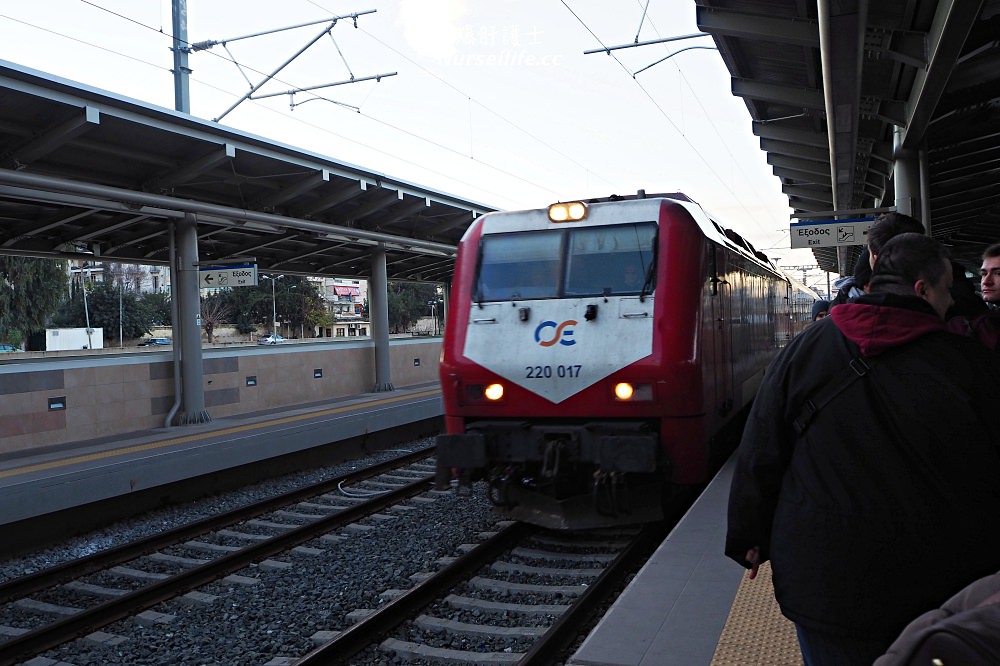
(549, 371)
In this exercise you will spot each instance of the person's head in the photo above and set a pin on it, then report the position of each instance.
(886, 227)
(862, 271)
(820, 310)
(989, 274)
(913, 264)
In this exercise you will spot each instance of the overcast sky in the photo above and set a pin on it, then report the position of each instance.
(493, 101)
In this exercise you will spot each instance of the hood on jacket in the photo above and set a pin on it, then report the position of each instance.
(877, 322)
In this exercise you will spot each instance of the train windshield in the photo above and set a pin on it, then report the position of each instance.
(567, 263)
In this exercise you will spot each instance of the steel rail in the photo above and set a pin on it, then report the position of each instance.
(45, 638)
(24, 585)
(546, 649)
(389, 616)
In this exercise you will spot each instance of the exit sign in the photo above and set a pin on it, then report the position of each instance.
(221, 277)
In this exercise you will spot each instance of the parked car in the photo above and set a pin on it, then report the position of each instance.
(270, 340)
(154, 341)
(5, 348)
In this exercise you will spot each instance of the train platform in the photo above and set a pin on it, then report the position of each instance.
(690, 605)
(63, 482)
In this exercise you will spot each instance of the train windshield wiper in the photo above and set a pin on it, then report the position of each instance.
(647, 286)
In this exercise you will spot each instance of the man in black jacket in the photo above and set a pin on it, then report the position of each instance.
(873, 491)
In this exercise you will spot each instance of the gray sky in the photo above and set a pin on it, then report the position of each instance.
(492, 101)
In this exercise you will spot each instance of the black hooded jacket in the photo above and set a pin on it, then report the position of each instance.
(887, 504)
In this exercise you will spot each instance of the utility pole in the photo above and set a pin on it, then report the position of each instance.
(182, 73)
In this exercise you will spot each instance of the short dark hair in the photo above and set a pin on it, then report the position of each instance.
(888, 226)
(992, 251)
(904, 260)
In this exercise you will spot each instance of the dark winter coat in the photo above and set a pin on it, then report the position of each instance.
(985, 328)
(886, 505)
(978, 629)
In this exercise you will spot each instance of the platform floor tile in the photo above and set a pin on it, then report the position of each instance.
(756, 633)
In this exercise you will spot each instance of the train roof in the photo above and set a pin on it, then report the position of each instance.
(708, 224)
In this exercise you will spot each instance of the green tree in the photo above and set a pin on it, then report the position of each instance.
(156, 308)
(103, 302)
(299, 303)
(30, 293)
(247, 306)
(296, 303)
(408, 302)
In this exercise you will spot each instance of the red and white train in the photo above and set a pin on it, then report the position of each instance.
(595, 352)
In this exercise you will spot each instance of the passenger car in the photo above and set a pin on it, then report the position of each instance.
(154, 341)
(5, 348)
(270, 340)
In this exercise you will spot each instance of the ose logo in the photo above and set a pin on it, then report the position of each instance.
(563, 334)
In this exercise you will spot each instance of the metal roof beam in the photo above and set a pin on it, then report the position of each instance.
(782, 133)
(804, 176)
(809, 206)
(781, 30)
(54, 137)
(403, 211)
(452, 221)
(790, 149)
(210, 160)
(824, 195)
(147, 203)
(776, 93)
(323, 204)
(947, 36)
(378, 201)
(92, 231)
(296, 189)
(35, 229)
(812, 167)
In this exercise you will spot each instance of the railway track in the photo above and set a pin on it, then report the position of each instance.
(149, 573)
(427, 577)
(526, 589)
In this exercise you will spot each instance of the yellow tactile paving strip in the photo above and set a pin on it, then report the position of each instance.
(756, 633)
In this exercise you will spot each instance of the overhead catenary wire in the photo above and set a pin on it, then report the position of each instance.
(608, 50)
(395, 156)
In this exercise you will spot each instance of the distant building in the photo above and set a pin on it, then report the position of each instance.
(345, 300)
(141, 279)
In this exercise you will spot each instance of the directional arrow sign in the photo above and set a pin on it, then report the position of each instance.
(221, 277)
(830, 233)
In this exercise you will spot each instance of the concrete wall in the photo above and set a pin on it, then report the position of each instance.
(46, 401)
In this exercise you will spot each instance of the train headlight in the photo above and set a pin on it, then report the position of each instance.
(629, 392)
(573, 211)
(624, 391)
(480, 393)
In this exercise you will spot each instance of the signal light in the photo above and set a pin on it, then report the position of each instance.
(574, 211)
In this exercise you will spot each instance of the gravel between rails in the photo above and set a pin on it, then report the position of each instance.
(170, 517)
(273, 613)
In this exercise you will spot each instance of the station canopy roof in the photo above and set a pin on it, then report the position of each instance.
(90, 175)
(929, 67)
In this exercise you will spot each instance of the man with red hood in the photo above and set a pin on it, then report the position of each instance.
(867, 473)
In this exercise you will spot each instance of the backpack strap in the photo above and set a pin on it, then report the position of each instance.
(856, 369)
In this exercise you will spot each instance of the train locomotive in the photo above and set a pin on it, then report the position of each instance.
(596, 352)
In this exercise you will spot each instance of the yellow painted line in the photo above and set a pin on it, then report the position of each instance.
(214, 433)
